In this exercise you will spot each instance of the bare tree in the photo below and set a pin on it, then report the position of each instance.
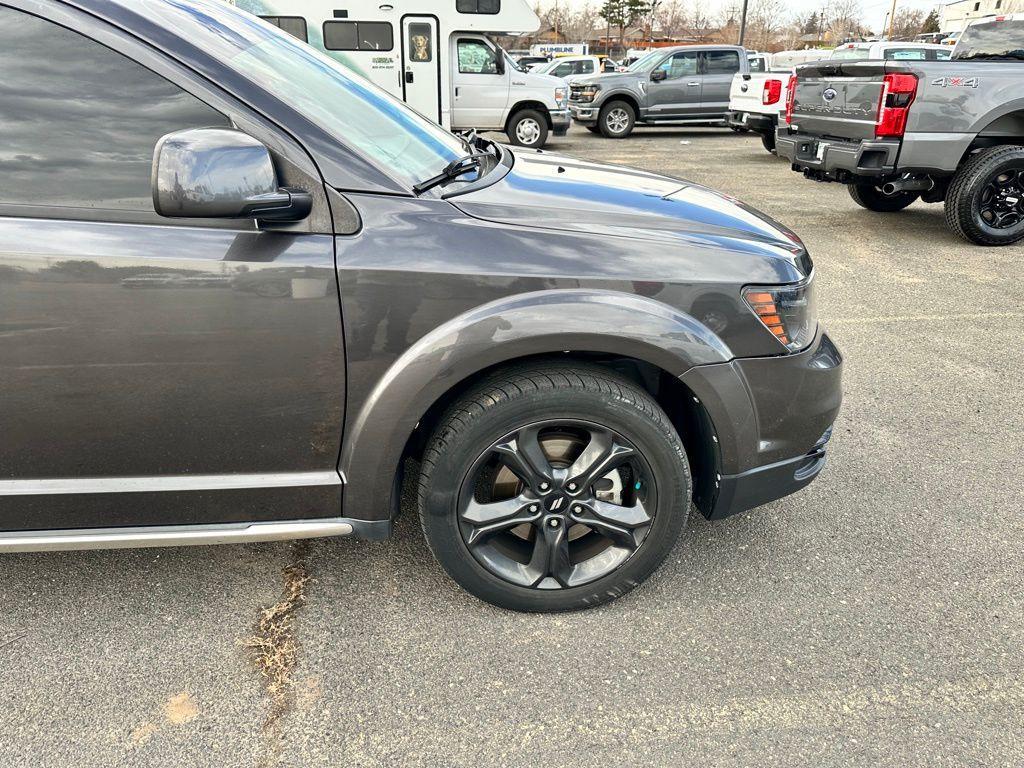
(765, 20)
(906, 23)
(842, 19)
(671, 17)
(700, 22)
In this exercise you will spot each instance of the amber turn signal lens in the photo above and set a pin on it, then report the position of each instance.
(788, 311)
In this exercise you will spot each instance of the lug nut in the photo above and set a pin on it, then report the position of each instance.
(553, 522)
(572, 486)
(578, 509)
(534, 507)
(544, 486)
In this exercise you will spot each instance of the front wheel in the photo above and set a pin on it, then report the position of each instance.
(985, 201)
(528, 128)
(616, 120)
(553, 487)
(870, 196)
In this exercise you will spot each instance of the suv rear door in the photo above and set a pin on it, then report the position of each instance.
(718, 68)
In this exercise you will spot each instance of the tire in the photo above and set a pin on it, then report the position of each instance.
(869, 196)
(593, 129)
(768, 142)
(976, 194)
(616, 120)
(552, 404)
(528, 128)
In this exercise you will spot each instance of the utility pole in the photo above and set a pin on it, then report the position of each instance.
(743, 22)
(892, 19)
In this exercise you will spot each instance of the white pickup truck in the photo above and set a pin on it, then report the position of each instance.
(758, 98)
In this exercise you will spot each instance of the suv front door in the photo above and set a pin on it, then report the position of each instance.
(678, 94)
(152, 371)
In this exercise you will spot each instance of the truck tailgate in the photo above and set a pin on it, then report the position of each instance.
(838, 98)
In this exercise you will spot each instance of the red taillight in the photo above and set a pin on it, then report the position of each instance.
(790, 97)
(898, 93)
(772, 92)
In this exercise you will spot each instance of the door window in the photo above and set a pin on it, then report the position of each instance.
(721, 62)
(584, 67)
(563, 70)
(683, 64)
(477, 58)
(358, 36)
(79, 122)
(421, 42)
(293, 25)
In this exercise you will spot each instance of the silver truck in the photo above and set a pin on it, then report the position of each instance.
(898, 131)
(682, 85)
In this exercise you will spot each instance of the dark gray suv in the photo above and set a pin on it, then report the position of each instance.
(242, 289)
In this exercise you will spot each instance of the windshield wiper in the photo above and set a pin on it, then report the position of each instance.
(453, 170)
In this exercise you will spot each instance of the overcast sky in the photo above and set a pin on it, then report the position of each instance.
(873, 11)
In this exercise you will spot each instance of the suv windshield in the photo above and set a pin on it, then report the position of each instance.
(360, 114)
(992, 40)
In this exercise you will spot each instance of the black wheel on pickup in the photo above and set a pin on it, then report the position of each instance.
(985, 201)
(871, 196)
(768, 142)
(553, 487)
(616, 120)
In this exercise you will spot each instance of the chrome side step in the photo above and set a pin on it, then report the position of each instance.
(171, 535)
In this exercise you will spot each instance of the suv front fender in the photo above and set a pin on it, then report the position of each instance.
(542, 322)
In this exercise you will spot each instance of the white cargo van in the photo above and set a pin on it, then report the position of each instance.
(435, 55)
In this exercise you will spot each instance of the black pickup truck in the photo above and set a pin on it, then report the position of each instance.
(898, 131)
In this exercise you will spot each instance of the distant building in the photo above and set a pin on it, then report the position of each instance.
(953, 17)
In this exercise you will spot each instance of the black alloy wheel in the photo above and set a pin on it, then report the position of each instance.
(557, 504)
(553, 486)
(985, 200)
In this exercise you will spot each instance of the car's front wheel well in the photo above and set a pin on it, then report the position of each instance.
(688, 415)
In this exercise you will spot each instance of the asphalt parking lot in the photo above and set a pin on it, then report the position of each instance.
(875, 618)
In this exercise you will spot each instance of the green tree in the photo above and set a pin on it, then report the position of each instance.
(931, 23)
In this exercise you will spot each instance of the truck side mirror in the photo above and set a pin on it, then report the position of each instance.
(658, 75)
(204, 173)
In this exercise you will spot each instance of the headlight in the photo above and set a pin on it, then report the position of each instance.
(560, 96)
(788, 311)
(589, 92)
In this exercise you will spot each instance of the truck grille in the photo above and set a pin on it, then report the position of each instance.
(574, 91)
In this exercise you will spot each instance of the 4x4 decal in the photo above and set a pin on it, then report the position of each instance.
(957, 82)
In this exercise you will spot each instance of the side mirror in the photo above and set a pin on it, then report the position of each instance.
(499, 63)
(205, 173)
(658, 75)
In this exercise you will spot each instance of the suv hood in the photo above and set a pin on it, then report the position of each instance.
(567, 194)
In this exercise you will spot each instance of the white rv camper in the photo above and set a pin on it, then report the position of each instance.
(435, 55)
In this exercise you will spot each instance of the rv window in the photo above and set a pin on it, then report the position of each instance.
(358, 36)
(478, 6)
(420, 42)
(293, 25)
(477, 58)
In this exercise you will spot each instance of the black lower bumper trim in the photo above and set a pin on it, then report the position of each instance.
(738, 493)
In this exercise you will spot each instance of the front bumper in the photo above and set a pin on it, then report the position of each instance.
(835, 159)
(584, 113)
(560, 122)
(753, 121)
(770, 419)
